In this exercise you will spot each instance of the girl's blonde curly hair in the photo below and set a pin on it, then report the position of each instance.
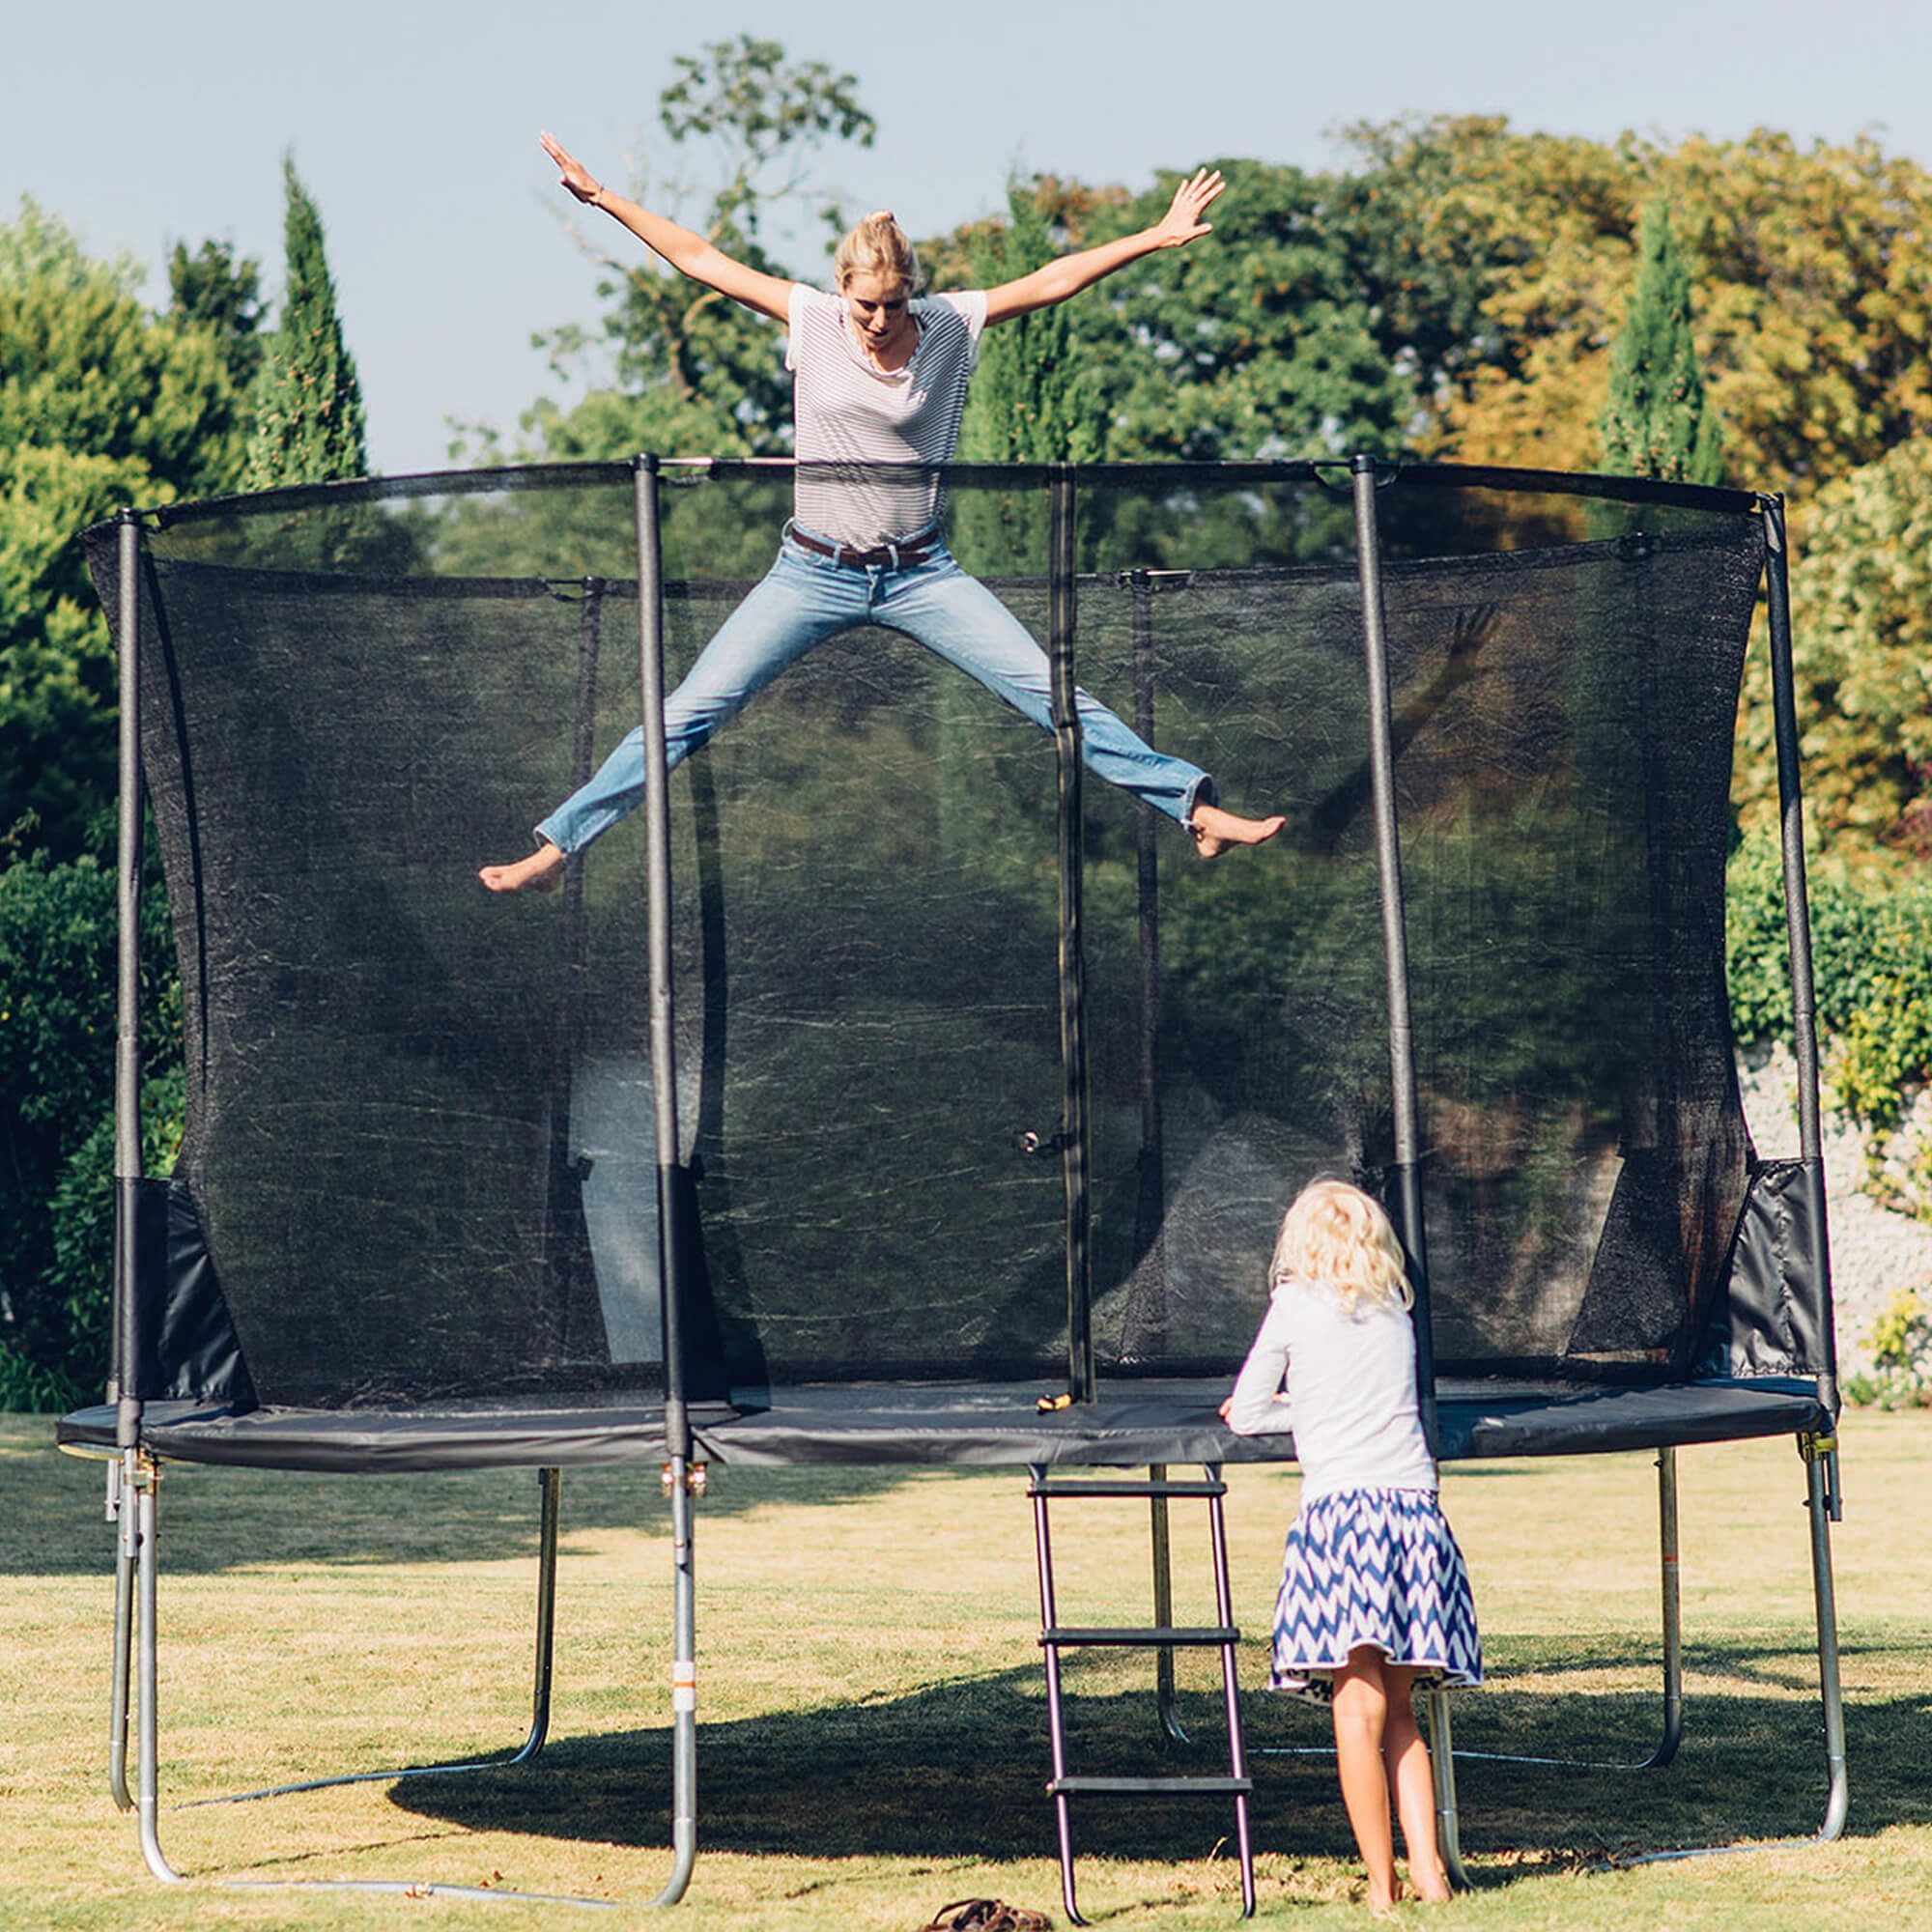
(1336, 1235)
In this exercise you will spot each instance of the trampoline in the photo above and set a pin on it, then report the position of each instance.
(892, 1091)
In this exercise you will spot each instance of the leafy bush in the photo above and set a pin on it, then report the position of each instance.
(1901, 1345)
(1872, 961)
(57, 1031)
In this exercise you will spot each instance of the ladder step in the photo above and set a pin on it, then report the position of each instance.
(1140, 1637)
(1128, 1486)
(1161, 1787)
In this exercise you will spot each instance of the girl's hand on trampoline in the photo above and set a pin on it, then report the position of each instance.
(1215, 830)
(538, 874)
(1182, 222)
(571, 171)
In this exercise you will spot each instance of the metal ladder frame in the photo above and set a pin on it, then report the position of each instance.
(1163, 1636)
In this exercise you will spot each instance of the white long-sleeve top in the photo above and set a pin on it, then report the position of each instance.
(1350, 1381)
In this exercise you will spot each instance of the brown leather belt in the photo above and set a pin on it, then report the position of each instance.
(886, 556)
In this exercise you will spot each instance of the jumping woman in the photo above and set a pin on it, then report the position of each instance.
(880, 377)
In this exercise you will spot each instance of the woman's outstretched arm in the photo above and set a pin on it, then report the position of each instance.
(689, 253)
(1070, 274)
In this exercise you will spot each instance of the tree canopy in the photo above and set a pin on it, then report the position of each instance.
(102, 402)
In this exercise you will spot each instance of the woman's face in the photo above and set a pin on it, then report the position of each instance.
(876, 305)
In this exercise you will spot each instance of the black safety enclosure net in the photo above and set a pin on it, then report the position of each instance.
(982, 1075)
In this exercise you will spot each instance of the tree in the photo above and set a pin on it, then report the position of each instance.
(1861, 647)
(695, 374)
(1657, 422)
(1501, 260)
(1031, 399)
(1255, 343)
(308, 404)
(102, 403)
(211, 290)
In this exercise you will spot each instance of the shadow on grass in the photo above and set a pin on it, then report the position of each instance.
(957, 1770)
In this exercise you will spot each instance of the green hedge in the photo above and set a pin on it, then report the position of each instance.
(57, 1029)
(1872, 961)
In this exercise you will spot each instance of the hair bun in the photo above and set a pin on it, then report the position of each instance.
(881, 214)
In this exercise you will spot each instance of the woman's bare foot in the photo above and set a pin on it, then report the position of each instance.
(538, 874)
(1215, 830)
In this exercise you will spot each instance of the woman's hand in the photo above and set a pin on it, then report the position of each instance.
(1182, 222)
(571, 171)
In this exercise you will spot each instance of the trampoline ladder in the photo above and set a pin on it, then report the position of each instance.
(1163, 1636)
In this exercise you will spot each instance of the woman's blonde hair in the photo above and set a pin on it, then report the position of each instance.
(878, 246)
(1336, 1235)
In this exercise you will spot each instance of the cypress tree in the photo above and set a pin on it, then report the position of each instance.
(1025, 403)
(308, 404)
(1658, 422)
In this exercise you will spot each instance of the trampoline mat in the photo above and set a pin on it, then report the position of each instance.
(979, 1425)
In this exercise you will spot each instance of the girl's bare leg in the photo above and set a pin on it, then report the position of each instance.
(1215, 830)
(539, 872)
(1361, 1712)
(1412, 1785)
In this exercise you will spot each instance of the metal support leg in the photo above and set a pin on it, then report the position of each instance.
(1442, 1763)
(1821, 1483)
(1163, 1610)
(1673, 1649)
(683, 1685)
(122, 1513)
(1673, 1625)
(147, 1718)
(552, 1484)
(1822, 1507)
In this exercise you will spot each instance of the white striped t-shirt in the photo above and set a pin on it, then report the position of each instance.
(846, 410)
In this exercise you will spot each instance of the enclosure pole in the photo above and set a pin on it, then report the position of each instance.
(124, 1336)
(657, 914)
(1408, 1203)
(671, 1245)
(1797, 918)
(1062, 558)
(1151, 1178)
(125, 1350)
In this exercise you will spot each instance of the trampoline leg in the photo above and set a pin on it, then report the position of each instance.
(552, 1481)
(550, 1516)
(147, 1479)
(1163, 1610)
(1821, 1469)
(120, 1512)
(681, 1478)
(1673, 1625)
(1442, 1763)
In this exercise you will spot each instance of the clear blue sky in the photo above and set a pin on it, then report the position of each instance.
(414, 124)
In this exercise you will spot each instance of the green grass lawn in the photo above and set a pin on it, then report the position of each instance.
(872, 1735)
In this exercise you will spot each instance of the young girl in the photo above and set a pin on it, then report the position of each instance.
(1374, 1595)
(880, 376)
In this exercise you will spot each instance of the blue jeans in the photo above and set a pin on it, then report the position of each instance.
(804, 599)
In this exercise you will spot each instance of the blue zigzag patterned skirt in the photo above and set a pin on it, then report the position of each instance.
(1373, 1566)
